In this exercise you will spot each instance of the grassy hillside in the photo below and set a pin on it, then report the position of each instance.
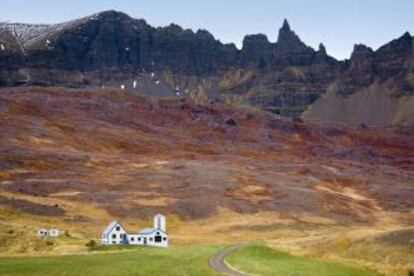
(190, 260)
(77, 159)
(261, 260)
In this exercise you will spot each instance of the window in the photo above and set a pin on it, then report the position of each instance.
(151, 239)
(114, 236)
(158, 233)
(164, 239)
(139, 239)
(132, 239)
(118, 228)
(158, 239)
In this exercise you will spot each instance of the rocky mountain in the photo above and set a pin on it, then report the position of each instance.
(287, 77)
(377, 87)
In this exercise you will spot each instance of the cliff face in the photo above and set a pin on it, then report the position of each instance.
(111, 49)
(377, 87)
(114, 40)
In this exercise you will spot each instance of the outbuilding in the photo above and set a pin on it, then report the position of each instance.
(54, 233)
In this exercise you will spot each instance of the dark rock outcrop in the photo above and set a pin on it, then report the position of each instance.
(391, 63)
(322, 50)
(257, 52)
(111, 49)
(289, 42)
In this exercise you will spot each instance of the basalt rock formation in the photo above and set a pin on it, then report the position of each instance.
(376, 88)
(111, 49)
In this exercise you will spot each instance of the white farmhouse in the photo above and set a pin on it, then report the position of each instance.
(54, 233)
(156, 236)
(114, 233)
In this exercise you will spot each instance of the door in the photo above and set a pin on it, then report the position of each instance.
(145, 240)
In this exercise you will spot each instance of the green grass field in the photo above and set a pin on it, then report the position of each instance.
(261, 260)
(190, 260)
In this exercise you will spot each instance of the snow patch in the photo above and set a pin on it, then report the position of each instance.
(24, 32)
(135, 84)
(27, 35)
(94, 17)
(123, 87)
(2, 47)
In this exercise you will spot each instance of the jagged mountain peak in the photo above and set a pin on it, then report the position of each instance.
(322, 49)
(289, 42)
(405, 40)
(286, 26)
(407, 35)
(286, 34)
(402, 46)
(361, 50)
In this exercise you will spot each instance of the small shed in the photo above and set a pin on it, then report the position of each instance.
(43, 232)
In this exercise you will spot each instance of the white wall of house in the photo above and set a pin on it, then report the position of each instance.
(54, 233)
(135, 239)
(115, 235)
(155, 240)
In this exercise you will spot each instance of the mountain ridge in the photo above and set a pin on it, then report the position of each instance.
(111, 49)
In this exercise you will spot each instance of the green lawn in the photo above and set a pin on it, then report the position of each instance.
(261, 260)
(190, 260)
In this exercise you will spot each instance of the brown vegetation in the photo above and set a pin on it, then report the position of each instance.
(77, 159)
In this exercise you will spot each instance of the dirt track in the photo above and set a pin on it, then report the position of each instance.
(217, 261)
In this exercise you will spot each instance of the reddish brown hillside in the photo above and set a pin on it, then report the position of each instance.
(135, 156)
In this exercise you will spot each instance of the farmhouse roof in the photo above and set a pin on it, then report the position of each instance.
(111, 226)
(147, 231)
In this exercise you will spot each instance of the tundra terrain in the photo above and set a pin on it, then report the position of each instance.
(77, 159)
